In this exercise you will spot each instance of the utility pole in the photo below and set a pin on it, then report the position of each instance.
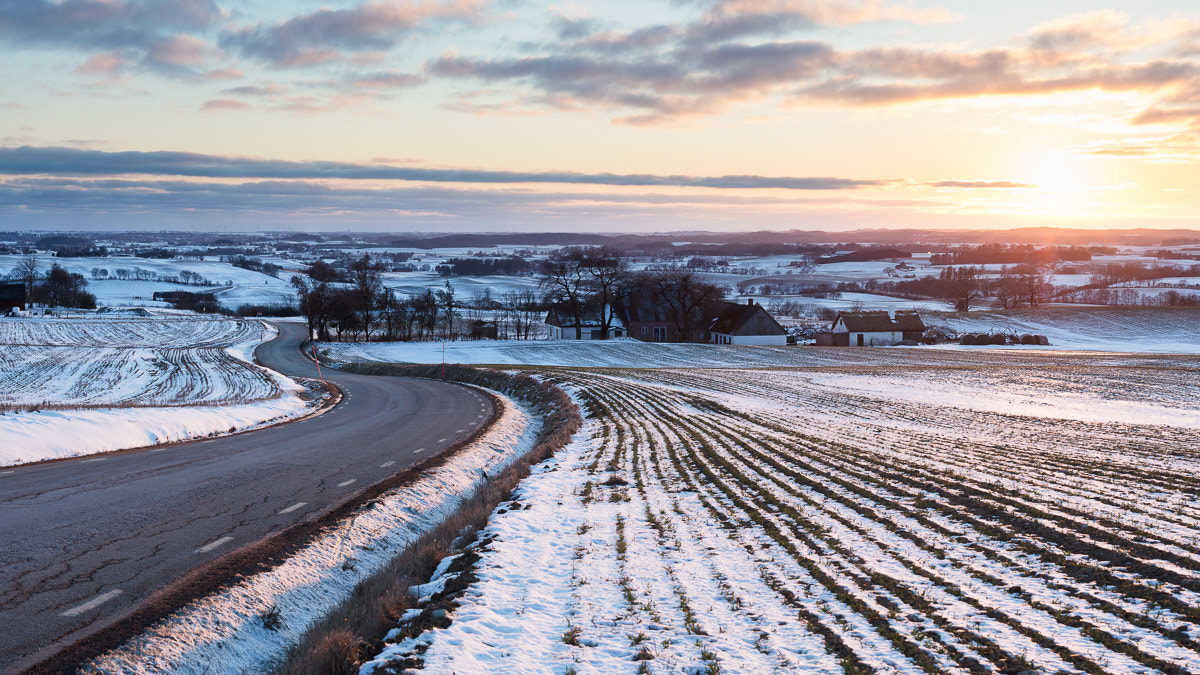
(443, 360)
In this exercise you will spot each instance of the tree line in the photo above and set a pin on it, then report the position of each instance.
(351, 303)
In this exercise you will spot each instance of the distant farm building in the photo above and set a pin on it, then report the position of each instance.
(747, 324)
(873, 329)
(12, 297)
(484, 330)
(563, 324)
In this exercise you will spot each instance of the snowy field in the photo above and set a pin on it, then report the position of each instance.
(1118, 329)
(86, 383)
(233, 286)
(1115, 329)
(1041, 515)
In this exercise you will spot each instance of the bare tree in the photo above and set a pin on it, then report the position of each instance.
(314, 299)
(962, 286)
(449, 306)
(686, 296)
(27, 268)
(367, 278)
(606, 271)
(565, 281)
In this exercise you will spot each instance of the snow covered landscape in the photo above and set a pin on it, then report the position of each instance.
(82, 383)
(906, 512)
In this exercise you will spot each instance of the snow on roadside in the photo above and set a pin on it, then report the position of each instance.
(224, 632)
(57, 434)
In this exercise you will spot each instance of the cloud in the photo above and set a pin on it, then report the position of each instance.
(979, 184)
(27, 160)
(222, 104)
(332, 35)
(739, 51)
(107, 64)
(155, 32)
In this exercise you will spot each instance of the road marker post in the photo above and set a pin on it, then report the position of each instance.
(318, 362)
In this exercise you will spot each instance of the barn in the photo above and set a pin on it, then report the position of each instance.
(747, 324)
(12, 297)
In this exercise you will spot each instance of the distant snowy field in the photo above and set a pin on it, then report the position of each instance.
(1114, 329)
(87, 383)
(1163, 330)
(233, 286)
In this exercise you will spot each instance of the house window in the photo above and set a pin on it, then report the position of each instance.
(660, 333)
(645, 331)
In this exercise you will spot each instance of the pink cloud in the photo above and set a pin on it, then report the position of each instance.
(224, 104)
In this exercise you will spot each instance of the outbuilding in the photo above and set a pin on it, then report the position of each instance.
(747, 324)
(562, 324)
(12, 297)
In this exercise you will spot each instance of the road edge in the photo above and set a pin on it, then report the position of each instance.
(211, 577)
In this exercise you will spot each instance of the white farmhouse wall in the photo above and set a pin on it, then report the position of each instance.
(880, 339)
(756, 340)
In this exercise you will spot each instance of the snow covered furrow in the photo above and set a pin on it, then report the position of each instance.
(762, 520)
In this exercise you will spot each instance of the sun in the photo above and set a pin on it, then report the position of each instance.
(1060, 181)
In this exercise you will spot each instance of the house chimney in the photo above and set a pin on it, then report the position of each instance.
(749, 301)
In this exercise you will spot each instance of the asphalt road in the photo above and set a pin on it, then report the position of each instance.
(84, 541)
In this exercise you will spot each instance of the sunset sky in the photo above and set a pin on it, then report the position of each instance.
(440, 115)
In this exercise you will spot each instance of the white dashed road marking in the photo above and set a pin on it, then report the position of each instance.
(5, 473)
(345, 483)
(386, 464)
(443, 440)
(293, 507)
(418, 451)
(96, 459)
(213, 544)
(92, 604)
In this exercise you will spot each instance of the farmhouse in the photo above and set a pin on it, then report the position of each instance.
(650, 322)
(562, 324)
(872, 329)
(747, 324)
(12, 297)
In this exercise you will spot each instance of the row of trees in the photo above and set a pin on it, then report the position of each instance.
(352, 303)
(967, 286)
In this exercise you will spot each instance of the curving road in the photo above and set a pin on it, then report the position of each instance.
(85, 541)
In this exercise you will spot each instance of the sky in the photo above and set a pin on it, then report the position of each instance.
(621, 115)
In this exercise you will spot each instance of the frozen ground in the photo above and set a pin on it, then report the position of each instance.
(1041, 514)
(89, 383)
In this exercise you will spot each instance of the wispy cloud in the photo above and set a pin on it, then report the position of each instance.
(980, 184)
(336, 35)
(59, 161)
(739, 51)
(156, 33)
